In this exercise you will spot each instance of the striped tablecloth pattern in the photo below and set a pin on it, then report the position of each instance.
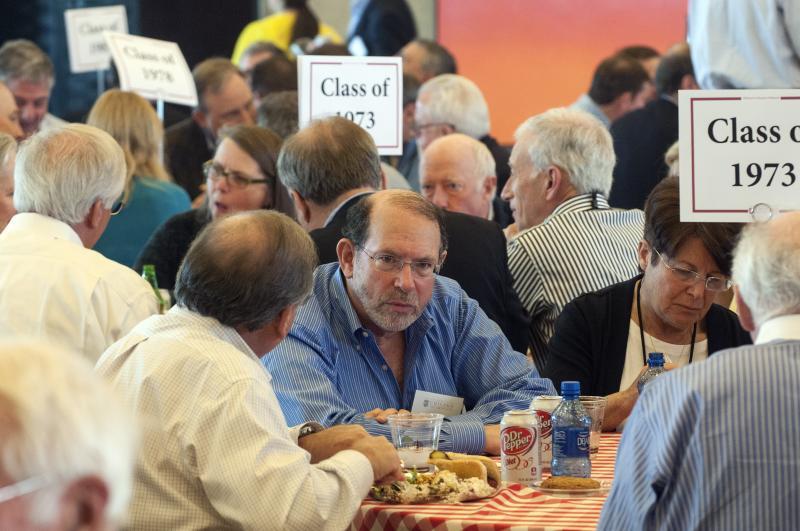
(514, 507)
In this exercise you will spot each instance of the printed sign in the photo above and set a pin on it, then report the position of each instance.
(87, 47)
(365, 90)
(739, 154)
(427, 402)
(153, 69)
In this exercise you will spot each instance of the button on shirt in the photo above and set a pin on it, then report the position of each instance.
(330, 368)
(51, 286)
(216, 452)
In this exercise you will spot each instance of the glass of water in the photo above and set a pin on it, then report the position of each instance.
(415, 435)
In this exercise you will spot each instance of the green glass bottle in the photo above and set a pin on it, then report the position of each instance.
(149, 274)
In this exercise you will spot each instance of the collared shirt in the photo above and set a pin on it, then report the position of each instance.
(581, 247)
(216, 452)
(586, 103)
(784, 327)
(713, 446)
(340, 205)
(331, 369)
(51, 286)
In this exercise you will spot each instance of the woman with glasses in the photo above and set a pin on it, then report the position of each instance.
(242, 176)
(602, 339)
(150, 197)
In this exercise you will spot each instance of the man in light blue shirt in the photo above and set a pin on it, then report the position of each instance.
(714, 445)
(381, 326)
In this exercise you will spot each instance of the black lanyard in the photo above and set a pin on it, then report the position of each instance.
(641, 326)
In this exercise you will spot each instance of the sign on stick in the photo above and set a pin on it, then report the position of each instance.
(88, 50)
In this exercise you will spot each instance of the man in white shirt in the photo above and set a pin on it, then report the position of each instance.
(67, 185)
(218, 453)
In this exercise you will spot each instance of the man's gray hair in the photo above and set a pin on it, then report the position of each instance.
(244, 269)
(61, 172)
(21, 59)
(480, 158)
(327, 158)
(574, 141)
(455, 100)
(62, 422)
(766, 269)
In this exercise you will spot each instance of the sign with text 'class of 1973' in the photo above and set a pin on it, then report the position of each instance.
(739, 154)
(152, 68)
(365, 90)
(88, 50)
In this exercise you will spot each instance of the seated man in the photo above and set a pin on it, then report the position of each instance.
(67, 445)
(375, 333)
(458, 174)
(570, 242)
(52, 285)
(713, 445)
(218, 453)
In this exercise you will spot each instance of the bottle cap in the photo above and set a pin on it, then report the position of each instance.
(656, 358)
(570, 388)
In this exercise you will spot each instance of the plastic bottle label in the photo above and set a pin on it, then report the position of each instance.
(570, 442)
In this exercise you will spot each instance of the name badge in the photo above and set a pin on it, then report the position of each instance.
(426, 402)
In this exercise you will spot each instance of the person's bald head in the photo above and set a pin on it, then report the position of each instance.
(766, 270)
(9, 113)
(457, 173)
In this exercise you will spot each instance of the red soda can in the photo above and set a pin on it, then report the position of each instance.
(519, 447)
(544, 406)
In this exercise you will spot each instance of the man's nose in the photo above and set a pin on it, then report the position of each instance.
(507, 192)
(440, 197)
(405, 278)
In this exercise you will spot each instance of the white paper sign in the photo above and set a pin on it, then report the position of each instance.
(87, 47)
(153, 69)
(739, 154)
(427, 402)
(366, 90)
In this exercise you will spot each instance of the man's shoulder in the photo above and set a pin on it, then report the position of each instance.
(463, 226)
(185, 132)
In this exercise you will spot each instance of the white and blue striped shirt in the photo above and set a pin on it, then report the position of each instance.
(330, 368)
(714, 445)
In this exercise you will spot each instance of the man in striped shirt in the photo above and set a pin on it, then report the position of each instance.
(569, 240)
(714, 445)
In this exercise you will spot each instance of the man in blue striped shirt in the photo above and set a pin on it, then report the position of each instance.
(714, 445)
(375, 332)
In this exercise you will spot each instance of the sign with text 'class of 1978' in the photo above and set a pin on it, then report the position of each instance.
(87, 47)
(739, 154)
(152, 68)
(365, 90)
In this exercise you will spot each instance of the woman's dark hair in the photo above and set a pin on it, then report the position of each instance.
(306, 24)
(664, 230)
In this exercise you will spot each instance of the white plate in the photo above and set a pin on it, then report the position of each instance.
(605, 486)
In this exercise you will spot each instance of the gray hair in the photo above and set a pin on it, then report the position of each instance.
(22, 59)
(62, 422)
(61, 172)
(327, 158)
(8, 146)
(278, 112)
(244, 269)
(455, 100)
(481, 160)
(574, 141)
(766, 268)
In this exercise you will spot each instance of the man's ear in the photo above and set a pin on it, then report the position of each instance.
(555, 180)
(301, 207)
(284, 320)
(200, 118)
(688, 82)
(83, 504)
(384, 182)
(94, 218)
(643, 253)
(346, 251)
(744, 312)
(489, 186)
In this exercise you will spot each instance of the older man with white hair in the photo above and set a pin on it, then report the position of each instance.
(67, 445)
(458, 174)
(570, 240)
(450, 103)
(713, 445)
(68, 182)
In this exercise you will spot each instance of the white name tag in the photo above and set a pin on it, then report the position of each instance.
(426, 402)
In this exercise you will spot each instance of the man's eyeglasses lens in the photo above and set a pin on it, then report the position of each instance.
(392, 264)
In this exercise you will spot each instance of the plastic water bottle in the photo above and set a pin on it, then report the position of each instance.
(655, 366)
(571, 428)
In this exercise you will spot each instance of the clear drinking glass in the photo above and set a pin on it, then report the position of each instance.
(595, 407)
(415, 435)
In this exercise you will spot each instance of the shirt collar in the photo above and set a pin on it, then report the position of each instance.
(580, 203)
(783, 327)
(213, 326)
(340, 205)
(32, 223)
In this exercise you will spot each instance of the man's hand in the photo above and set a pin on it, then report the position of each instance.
(382, 415)
(492, 441)
(383, 457)
(326, 443)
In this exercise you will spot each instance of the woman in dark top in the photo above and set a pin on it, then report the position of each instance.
(242, 176)
(602, 339)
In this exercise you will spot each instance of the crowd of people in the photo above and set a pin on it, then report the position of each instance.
(317, 287)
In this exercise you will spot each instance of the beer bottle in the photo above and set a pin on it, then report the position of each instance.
(149, 274)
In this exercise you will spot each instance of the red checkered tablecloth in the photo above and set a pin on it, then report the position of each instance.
(514, 507)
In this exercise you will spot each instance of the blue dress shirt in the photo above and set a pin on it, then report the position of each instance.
(330, 369)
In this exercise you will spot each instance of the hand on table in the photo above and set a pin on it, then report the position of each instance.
(382, 415)
(492, 439)
(386, 465)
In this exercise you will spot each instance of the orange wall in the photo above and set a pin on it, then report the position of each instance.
(530, 55)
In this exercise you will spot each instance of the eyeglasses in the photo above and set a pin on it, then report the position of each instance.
(21, 488)
(417, 128)
(234, 179)
(117, 207)
(391, 264)
(688, 276)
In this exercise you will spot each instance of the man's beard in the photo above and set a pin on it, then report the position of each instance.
(381, 315)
